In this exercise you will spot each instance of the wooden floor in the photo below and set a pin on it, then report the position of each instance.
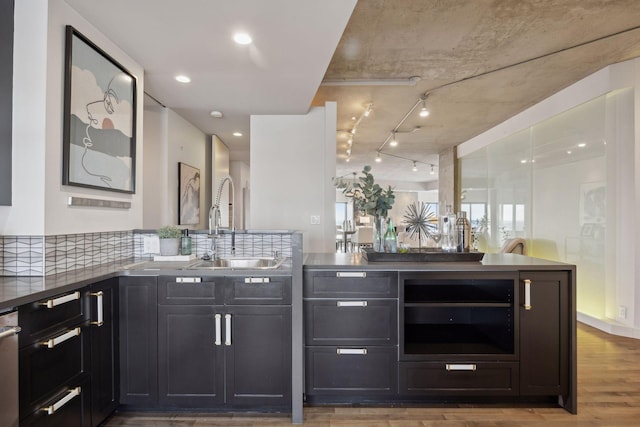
(608, 395)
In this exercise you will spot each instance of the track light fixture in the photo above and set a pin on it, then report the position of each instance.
(352, 132)
(394, 141)
(432, 171)
(415, 167)
(423, 111)
(378, 158)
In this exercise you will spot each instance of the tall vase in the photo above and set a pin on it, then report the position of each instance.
(379, 228)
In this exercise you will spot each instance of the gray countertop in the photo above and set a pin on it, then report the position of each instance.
(15, 291)
(490, 262)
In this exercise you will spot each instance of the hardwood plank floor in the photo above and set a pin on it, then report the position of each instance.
(608, 395)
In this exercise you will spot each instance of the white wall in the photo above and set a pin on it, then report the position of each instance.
(156, 165)
(292, 163)
(241, 175)
(40, 199)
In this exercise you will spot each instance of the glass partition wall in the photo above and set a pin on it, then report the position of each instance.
(554, 184)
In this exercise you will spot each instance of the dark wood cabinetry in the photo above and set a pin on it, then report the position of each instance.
(104, 336)
(138, 341)
(54, 362)
(351, 335)
(225, 342)
(545, 319)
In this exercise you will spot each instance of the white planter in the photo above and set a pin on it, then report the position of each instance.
(170, 246)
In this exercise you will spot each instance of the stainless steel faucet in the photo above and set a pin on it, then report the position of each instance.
(214, 217)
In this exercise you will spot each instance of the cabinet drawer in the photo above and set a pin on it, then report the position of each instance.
(55, 362)
(458, 378)
(190, 290)
(350, 284)
(351, 322)
(360, 371)
(44, 317)
(261, 290)
(68, 407)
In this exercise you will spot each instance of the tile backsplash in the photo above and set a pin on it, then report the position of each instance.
(47, 255)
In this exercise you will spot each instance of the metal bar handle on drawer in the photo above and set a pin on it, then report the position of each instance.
(257, 280)
(50, 410)
(188, 279)
(351, 303)
(218, 329)
(59, 301)
(351, 351)
(99, 308)
(227, 335)
(9, 331)
(361, 274)
(460, 367)
(61, 338)
(527, 294)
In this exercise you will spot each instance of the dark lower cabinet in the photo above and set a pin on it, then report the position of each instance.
(224, 355)
(138, 341)
(104, 336)
(544, 333)
(75, 412)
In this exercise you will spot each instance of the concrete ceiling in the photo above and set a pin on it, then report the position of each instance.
(479, 61)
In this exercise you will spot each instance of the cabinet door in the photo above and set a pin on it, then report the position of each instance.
(544, 333)
(138, 341)
(190, 360)
(105, 382)
(258, 356)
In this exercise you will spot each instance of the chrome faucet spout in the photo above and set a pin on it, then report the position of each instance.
(215, 216)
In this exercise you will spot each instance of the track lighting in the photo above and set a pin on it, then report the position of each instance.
(423, 111)
(378, 158)
(415, 167)
(394, 141)
(432, 172)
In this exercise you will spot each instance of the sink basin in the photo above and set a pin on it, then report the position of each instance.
(249, 263)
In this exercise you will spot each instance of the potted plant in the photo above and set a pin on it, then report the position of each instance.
(371, 199)
(169, 240)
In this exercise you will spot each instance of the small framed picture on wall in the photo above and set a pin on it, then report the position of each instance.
(188, 194)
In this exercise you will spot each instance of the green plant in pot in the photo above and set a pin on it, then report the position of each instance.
(169, 240)
(371, 199)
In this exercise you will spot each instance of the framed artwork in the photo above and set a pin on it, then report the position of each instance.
(189, 194)
(592, 202)
(99, 143)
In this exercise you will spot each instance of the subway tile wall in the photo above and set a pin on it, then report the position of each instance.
(47, 255)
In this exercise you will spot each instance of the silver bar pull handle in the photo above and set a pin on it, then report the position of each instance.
(227, 335)
(351, 303)
(527, 294)
(61, 338)
(61, 300)
(99, 308)
(218, 329)
(460, 367)
(9, 331)
(361, 351)
(256, 280)
(361, 274)
(188, 279)
(50, 410)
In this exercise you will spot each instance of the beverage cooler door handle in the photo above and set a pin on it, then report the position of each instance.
(227, 323)
(527, 294)
(99, 308)
(218, 329)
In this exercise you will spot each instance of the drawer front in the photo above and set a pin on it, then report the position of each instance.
(458, 378)
(55, 362)
(259, 289)
(68, 407)
(190, 290)
(44, 317)
(361, 371)
(351, 322)
(350, 284)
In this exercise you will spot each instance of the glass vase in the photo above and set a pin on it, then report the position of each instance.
(379, 228)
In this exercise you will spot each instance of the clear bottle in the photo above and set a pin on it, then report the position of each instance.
(448, 230)
(185, 243)
(463, 231)
(390, 238)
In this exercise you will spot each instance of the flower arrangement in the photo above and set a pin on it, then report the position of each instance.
(368, 196)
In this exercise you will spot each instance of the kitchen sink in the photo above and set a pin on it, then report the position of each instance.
(249, 263)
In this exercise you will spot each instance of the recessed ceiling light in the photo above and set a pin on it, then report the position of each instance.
(568, 151)
(582, 145)
(183, 79)
(242, 38)
(237, 134)
(216, 114)
(523, 161)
